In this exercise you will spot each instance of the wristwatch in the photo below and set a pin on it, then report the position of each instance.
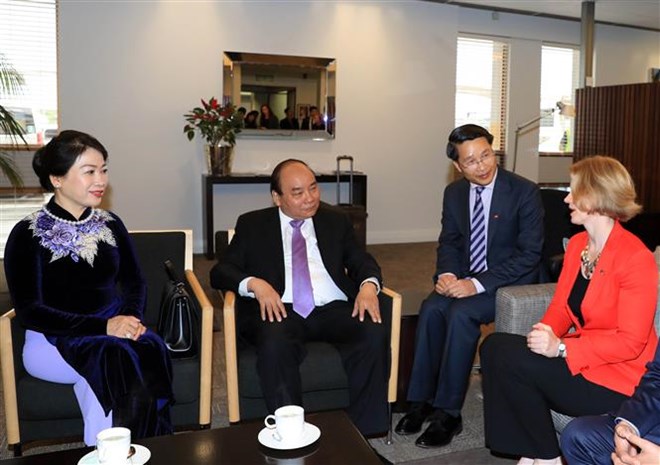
(561, 350)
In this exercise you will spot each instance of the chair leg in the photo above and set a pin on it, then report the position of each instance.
(389, 428)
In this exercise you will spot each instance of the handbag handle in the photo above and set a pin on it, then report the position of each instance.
(171, 272)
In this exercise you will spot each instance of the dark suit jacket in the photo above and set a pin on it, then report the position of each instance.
(515, 232)
(256, 250)
(643, 409)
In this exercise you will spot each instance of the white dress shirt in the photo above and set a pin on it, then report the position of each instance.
(325, 289)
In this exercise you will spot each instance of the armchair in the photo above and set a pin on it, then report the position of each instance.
(37, 409)
(324, 381)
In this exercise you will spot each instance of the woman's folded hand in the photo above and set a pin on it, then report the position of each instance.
(543, 341)
(127, 327)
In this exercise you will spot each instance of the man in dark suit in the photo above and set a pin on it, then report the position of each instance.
(492, 236)
(630, 437)
(335, 280)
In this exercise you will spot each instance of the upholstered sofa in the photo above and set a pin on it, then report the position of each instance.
(517, 308)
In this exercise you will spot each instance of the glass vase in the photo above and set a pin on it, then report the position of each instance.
(219, 159)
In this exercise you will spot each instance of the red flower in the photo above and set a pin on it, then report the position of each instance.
(215, 123)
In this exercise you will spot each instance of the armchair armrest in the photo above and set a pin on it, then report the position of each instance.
(205, 348)
(517, 308)
(8, 378)
(231, 356)
(395, 337)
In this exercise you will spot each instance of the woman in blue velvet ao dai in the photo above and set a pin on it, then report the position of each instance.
(78, 290)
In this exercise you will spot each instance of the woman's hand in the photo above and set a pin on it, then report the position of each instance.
(542, 340)
(127, 327)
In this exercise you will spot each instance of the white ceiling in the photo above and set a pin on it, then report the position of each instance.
(640, 13)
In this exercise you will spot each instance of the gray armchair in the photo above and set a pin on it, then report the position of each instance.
(517, 308)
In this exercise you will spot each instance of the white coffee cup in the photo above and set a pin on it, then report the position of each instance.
(112, 446)
(288, 422)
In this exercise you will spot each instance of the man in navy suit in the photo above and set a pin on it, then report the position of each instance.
(630, 436)
(472, 263)
(345, 282)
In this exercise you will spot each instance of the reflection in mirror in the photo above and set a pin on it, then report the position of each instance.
(284, 97)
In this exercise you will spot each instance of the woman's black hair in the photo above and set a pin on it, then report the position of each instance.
(58, 156)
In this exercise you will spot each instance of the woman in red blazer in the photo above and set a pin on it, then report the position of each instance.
(607, 293)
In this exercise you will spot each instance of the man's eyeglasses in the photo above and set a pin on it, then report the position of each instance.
(471, 164)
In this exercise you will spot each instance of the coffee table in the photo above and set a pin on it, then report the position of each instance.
(340, 443)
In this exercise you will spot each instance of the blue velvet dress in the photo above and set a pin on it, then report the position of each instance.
(67, 277)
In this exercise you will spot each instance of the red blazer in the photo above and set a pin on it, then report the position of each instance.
(618, 337)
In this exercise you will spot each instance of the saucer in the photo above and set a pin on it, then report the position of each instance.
(141, 456)
(310, 434)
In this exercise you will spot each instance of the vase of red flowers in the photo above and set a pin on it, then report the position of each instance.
(218, 125)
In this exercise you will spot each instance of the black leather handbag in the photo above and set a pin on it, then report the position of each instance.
(179, 317)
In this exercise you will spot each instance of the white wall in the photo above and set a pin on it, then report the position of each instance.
(624, 56)
(129, 70)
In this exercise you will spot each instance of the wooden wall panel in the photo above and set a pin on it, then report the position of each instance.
(623, 122)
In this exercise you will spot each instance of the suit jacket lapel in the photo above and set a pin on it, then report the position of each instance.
(273, 244)
(464, 212)
(498, 202)
(324, 233)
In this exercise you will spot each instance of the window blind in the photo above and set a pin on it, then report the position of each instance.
(28, 40)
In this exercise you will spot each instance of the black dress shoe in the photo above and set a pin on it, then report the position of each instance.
(412, 422)
(441, 431)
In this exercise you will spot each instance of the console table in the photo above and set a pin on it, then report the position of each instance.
(208, 181)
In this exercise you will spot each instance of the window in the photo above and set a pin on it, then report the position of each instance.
(481, 85)
(28, 42)
(559, 78)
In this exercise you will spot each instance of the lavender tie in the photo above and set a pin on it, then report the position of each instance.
(303, 296)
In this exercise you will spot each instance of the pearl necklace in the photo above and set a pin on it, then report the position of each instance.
(57, 218)
(588, 266)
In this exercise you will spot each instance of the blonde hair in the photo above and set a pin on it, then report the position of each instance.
(602, 185)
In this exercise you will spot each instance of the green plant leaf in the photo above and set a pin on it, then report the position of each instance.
(10, 170)
(11, 81)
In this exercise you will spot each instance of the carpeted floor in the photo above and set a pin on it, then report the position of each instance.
(407, 268)
(403, 449)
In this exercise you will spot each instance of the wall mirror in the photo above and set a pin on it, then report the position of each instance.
(284, 96)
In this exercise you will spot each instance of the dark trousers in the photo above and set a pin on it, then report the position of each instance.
(521, 387)
(363, 346)
(448, 332)
(590, 440)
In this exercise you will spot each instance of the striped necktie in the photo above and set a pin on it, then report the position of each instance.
(478, 235)
(303, 294)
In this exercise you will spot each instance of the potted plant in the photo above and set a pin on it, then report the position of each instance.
(11, 82)
(218, 125)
